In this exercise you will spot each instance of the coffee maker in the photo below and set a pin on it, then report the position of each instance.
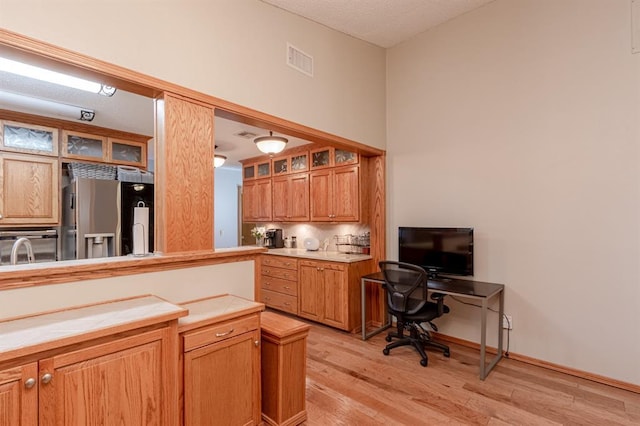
(273, 238)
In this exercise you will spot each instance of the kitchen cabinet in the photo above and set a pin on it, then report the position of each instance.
(260, 169)
(221, 358)
(291, 163)
(28, 138)
(28, 189)
(324, 293)
(84, 146)
(335, 194)
(256, 200)
(112, 363)
(279, 283)
(331, 157)
(19, 395)
(291, 198)
(127, 152)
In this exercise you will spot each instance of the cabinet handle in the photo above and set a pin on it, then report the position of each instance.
(224, 334)
(286, 287)
(256, 342)
(29, 383)
(267, 271)
(317, 269)
(321, 269)
(46, 378)
(287, 304)
(286, 275)
(267, 283)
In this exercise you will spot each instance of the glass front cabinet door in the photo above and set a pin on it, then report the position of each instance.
(28, 138)
(84, 146)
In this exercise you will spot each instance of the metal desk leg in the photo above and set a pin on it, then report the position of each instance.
(483, 338)
(366, 335)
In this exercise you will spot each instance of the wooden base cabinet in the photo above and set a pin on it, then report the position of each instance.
(279, 283)
(221, 363)
(19, 395)
(329, 292)
(284, 366)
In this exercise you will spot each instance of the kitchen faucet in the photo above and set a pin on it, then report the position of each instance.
(16, 247)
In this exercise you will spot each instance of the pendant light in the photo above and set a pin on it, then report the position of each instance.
(218, 160)
(270, 144)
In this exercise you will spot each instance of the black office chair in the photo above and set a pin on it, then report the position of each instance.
(407, 299)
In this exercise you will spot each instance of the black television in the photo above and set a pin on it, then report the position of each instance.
(447, 251)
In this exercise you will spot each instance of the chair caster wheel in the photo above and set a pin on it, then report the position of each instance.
(388, 338)
(447, 354)
(385, 351)
(424, 362)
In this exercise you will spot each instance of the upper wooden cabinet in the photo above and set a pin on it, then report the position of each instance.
(335, 194)
(291, 198)
(256, 201)
(28, 189)
(84, 146)
(28, 138)
(330, 157)
(260, 169)
(127, 152)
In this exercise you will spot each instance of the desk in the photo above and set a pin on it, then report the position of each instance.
(484, 292)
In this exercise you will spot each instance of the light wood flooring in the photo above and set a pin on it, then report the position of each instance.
(350, 382)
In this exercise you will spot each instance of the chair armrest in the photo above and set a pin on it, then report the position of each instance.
(439, 297)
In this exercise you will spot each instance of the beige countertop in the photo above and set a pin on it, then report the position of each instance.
(332, 256)
(38, 333)
(216, 309)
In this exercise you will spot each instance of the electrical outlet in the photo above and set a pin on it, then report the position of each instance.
(507, 322)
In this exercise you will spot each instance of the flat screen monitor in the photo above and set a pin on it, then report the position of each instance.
(446, 251)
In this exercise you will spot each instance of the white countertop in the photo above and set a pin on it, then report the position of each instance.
(57, 328)
(332, 256)
(215, 308)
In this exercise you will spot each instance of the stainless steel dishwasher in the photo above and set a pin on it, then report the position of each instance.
(43, 241)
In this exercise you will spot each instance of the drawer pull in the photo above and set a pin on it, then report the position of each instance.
(286, 275)
(286, 287)
(267, 283)
(224, 334)
(267, 298)
(256, 342)
(287, 304)
(29, 383)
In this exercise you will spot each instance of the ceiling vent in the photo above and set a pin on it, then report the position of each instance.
(246, 135)
(299, 60)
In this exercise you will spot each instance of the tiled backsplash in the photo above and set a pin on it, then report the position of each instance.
(323, 232)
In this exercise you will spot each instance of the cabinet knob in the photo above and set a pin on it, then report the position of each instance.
(267, 283)
(46, 378)
(226, 333)
(286, 287)
(287, 304)
(256, 342)
(29, 383)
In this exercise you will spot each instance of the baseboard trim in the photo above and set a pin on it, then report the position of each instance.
(544, 364)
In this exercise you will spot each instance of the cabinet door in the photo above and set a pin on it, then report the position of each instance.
(121, 382)
(84, 146)
(128, 152)
(310, 291)
(335, 292)
(346, 200)
(19, 396)
(222, 382)
(28, 138)
(298, 197)
(248, 201)
(281, 198)
(321, 193)
(28, 189)
(262, 200)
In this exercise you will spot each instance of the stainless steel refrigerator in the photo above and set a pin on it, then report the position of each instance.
(97, 217)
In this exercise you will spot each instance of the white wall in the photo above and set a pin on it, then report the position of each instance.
(179, 285)
(225, 192)
(521, 120)
(231, 49)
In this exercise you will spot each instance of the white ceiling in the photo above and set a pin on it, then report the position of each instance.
(382, 22)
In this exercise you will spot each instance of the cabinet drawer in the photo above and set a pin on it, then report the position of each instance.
(279, 285)
(280, 262)
(217, 332)
(280, 301)
(285, 274)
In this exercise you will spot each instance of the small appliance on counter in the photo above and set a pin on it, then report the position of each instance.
(311, 244)
(273, 238)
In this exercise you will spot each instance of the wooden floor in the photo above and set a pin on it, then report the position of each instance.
(350, 382)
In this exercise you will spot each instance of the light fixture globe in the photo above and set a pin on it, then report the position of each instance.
(270, 144)
(218, 160)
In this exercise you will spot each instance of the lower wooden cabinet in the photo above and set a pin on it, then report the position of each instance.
(329, 292)
(222, 372)
(279, 283)
(124, 381)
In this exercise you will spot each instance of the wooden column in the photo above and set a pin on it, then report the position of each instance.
(184, 175)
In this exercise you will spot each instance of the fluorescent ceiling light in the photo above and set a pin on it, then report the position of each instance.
(14, 101)
(54, 77)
